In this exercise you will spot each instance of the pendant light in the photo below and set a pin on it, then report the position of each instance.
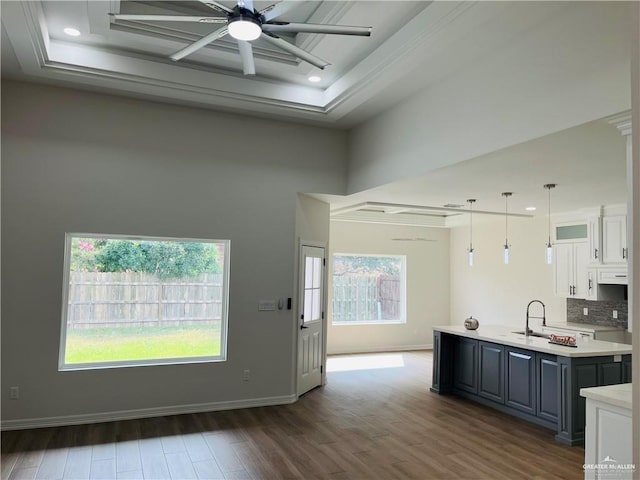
(549, 186)
(506, 196)
(471, 201)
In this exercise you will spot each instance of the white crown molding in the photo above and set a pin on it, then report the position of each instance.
(396, 55)
(327, 12)
(622, 122)
(65, 420)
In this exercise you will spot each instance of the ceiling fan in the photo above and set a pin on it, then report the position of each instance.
(246, 24)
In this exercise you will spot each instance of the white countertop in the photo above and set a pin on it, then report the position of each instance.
(618, 395)
(505, 336)
(584, 327)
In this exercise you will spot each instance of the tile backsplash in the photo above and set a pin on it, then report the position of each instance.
(600, 312)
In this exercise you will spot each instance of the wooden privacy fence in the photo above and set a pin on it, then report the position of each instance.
(359, 298)
(133, 299)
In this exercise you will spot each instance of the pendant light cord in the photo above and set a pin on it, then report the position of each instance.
(549, 215)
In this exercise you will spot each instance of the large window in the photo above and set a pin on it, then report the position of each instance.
(368, 289)
(139, 301)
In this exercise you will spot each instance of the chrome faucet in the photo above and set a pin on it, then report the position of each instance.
(527, 331)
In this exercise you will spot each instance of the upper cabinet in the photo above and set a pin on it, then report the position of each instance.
(572, 248)
(595, 239)
(570, 269)
(614, 239)
(588, 247)
(572, 232)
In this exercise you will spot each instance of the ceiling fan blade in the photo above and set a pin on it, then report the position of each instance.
(298, 52)
(207, 39)
(277, 9)
(315, 28)
(248, 4)
(246, 54)
(169, 18)
(216, 6)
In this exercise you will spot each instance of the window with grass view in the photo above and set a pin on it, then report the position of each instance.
(139, 301)
(368, 289)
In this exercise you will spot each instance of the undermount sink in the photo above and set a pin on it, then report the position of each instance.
(534, 334)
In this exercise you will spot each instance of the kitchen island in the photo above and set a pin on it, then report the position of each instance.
(526, 376)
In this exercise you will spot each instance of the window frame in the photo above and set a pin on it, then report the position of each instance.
(224, 327)
(402, 320)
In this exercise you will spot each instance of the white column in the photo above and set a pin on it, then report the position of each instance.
(634, 200)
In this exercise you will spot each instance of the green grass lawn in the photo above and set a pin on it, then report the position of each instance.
(150, 343)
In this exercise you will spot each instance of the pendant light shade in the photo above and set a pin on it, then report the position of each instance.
(471, 201)
(506, 252)
(549, 186)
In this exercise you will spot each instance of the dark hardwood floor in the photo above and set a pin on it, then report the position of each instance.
(375, 423)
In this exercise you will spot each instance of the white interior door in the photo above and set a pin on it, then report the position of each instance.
(310, 318)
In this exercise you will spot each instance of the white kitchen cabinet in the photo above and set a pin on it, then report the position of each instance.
(614, 239)
(592, 284)
(608, 451)
(595, 240)
(613, 275)
(571, 275)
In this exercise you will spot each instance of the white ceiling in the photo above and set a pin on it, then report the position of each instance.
(414, 44)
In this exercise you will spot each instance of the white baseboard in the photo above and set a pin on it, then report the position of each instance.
(401, 348)
(65, 420)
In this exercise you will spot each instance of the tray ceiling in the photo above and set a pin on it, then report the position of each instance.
(131, 57)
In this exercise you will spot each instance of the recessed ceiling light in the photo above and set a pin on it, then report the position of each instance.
(314, 79)
(530, 209)
(72, 32)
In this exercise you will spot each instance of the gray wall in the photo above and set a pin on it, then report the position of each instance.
(81, 162)
(479, 108)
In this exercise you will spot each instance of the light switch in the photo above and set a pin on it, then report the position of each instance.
(585, 311)
(615, 314)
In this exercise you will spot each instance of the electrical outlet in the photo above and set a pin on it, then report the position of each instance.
(14, 393)
(585, 311)
(615, 314)
(246, 374)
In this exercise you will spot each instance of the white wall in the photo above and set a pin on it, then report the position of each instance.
(81, 162)
(572, 68)
(496, 293)
(427, 285)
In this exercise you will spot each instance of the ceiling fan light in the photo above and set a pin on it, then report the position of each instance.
(244, 28)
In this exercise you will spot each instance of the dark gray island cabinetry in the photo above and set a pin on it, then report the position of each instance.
(526, 376)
